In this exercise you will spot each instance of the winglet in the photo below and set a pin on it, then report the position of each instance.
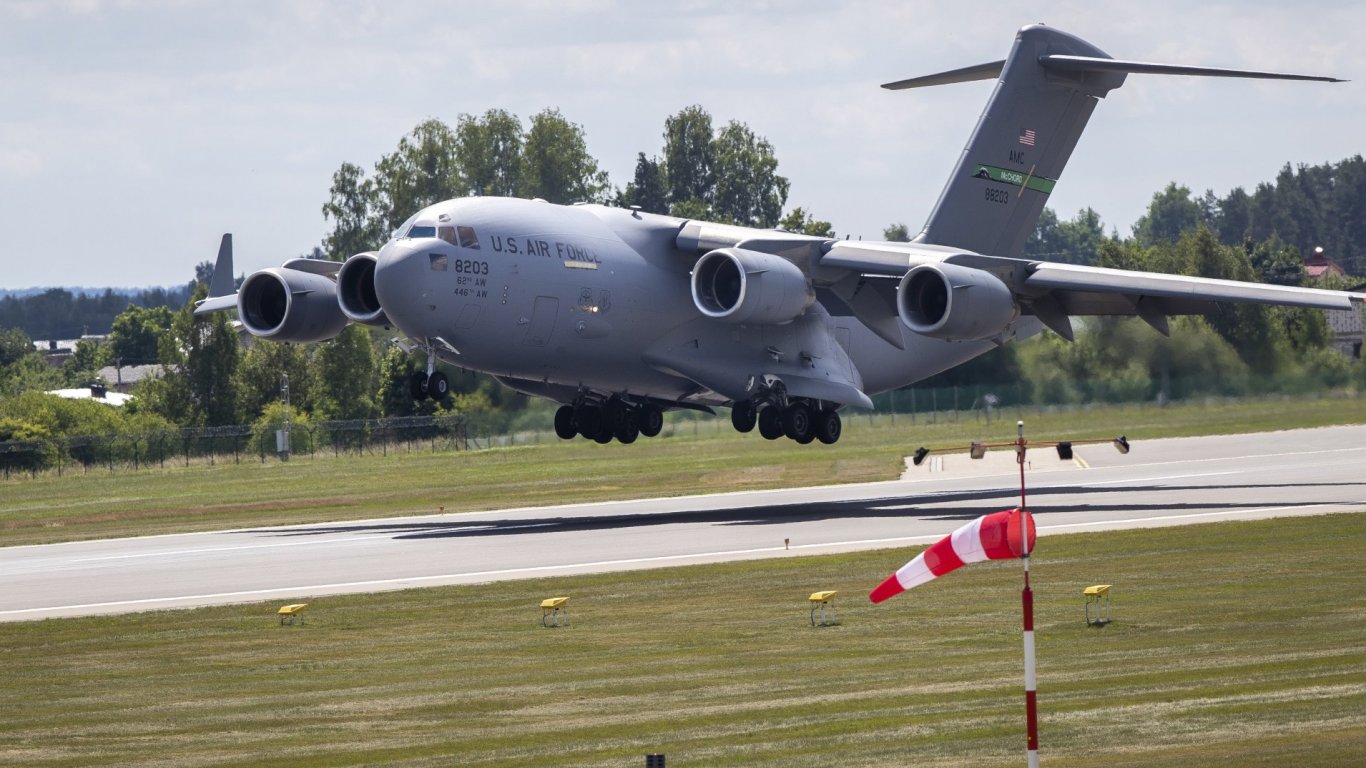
(222, 284)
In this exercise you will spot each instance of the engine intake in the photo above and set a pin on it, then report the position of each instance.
(289, 305)
(742, 286)
(947, 301)
(356, 290)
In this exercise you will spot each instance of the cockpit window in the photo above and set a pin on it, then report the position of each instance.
(403, 228)
(447, 233)
(422, 230)
(468, 238)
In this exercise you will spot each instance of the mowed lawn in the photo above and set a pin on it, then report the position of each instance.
(690, 458)
(1234, 644)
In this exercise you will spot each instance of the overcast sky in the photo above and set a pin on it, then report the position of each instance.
(134, 133)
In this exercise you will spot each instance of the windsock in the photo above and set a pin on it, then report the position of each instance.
(991, 537)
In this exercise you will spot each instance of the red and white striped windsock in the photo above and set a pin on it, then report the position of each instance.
(991, 537)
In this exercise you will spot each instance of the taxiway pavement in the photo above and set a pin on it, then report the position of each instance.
(1161, 482)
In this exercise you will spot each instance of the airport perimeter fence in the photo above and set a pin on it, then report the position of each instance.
(236, 443)
(459, 432)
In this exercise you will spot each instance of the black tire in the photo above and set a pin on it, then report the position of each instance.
(604, 437)
(829, 426)
(616, 416)
(438, 386)
(628, 432)
(770, 423)
(565, 427)
(417, 386)
(743, 417)
(590, 421)
(651, 421)
(797, 422)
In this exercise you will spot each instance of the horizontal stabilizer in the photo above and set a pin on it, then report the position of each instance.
(989, 71)
(216, 304)
(1064, 63)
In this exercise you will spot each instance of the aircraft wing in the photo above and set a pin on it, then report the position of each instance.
(1054, 292)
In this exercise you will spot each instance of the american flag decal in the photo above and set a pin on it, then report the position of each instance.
(1027, 137)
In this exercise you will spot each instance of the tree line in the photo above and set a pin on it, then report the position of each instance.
(729, 175)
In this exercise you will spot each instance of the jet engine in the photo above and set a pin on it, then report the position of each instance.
(289, 305)
(947, 301)
(356, 290)
(742, 286)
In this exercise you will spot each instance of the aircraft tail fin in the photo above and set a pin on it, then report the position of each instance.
(222, 286)
(221, 283)
(1045, 93)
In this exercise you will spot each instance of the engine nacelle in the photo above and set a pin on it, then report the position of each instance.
(289, 305)
(740, 286)
(947, 301)
(356, 290)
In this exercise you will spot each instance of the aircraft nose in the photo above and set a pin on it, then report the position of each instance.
(398, 278)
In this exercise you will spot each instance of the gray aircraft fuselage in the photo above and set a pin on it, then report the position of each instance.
(557, 299)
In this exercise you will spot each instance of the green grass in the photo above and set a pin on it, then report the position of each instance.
(1237, 643)
(696, 458)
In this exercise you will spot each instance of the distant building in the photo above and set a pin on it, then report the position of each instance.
(1345, 326)
(1317, 265)
(124, 378)
(96, 392)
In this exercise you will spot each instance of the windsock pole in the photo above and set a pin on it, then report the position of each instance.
(1027, 601)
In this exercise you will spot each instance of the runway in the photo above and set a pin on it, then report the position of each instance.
(1161, 482)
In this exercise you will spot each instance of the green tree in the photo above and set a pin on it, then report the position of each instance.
(136, 333)
(259, 375)
(689, 156)
(346, 375)
(649, 188)
(556, 165)
(1076, 241)
(200, 383)
(351, 209)
(423, 170)
(488, 150)
(897, 233)
(1171, 213)
(14, 345)
(803, 223)
(747, 188)
(81, 368)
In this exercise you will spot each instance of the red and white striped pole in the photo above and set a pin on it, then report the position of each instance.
(1027, 601)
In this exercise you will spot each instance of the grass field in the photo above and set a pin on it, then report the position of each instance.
(695, 458)
(1234, 644)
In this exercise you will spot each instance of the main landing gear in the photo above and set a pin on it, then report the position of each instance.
(801, 420)
(602, 422)
(422, 385)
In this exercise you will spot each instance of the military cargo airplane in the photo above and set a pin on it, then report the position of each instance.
(620, 315)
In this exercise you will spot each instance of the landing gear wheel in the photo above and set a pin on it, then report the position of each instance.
(797, 423)
(589, 421)
(628, 431)
(651, 420)
(438, 386)
(743, 417)
(828, 426)
(603, 437)
(565, 428)
(417, 386)
(770, 423)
